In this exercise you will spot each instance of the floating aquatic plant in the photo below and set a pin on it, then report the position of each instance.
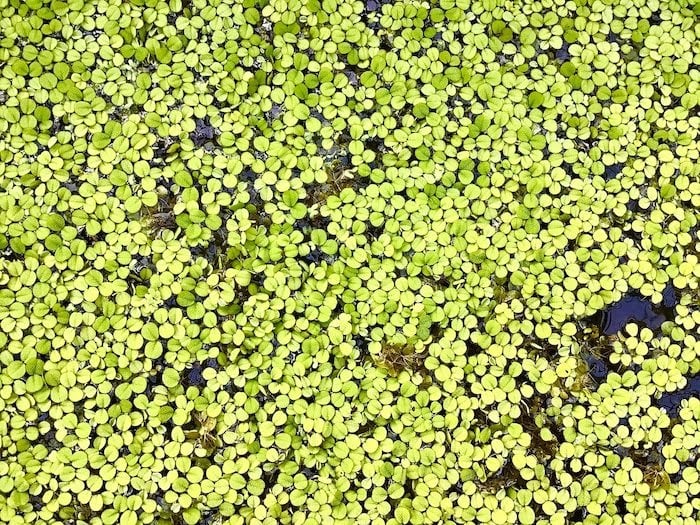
(355, 262)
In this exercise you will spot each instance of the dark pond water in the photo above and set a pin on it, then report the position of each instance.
(612, 171)
(597, 368)
(314, 256)
(194, 372)
(203, 132)
(630, 309)
(563, 52)
(671, 401)
(633, 206)
(670, 299)
(635, 308)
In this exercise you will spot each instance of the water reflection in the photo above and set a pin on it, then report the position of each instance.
(670, 299)
(563, 52)
(632, 308)
(597, 368)
(671, 401)
(635, 308)
(612, 171)
(203, 133)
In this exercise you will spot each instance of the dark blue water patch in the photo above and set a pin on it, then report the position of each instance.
(563, 52)
(392, 435)
(270, 476)
(210, 517)
(612, 171)
(161, 148)
(171, 302)
(597, 368)
(612, 37)
(209, 251)
(247, 175)
(635, 308)
(273, 113)
(375, 144)
(629, 233)
(194, 375)
(361, 343)
(374, 231)
(314, 256)
(310, 472)
(671, 401)
(57, 125)
(203, 132)
(670, 299)
(352, 77)
(155, 377)
(621, 451)
(633, 206)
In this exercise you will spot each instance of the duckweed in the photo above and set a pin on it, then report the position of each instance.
(336, 261)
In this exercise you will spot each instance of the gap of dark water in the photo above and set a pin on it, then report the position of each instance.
(563, 52)
(633, 206)
(578, 515)
(612, 171)
(194, 375)
(635, 308)
(629, 309)
(203, 132)
(670, 299)
(671, 401)
(597, 368)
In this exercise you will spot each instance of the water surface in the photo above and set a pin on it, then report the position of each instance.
(671, 401)
(638, 309)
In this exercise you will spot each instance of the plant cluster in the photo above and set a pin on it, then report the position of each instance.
(328, 261)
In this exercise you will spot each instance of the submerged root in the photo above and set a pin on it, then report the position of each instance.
(205, 436)
(656, 476)
(398, 357)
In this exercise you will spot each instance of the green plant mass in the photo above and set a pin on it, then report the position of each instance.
(374, 262)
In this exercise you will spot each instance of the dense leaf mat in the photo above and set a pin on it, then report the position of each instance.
(313, 262)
